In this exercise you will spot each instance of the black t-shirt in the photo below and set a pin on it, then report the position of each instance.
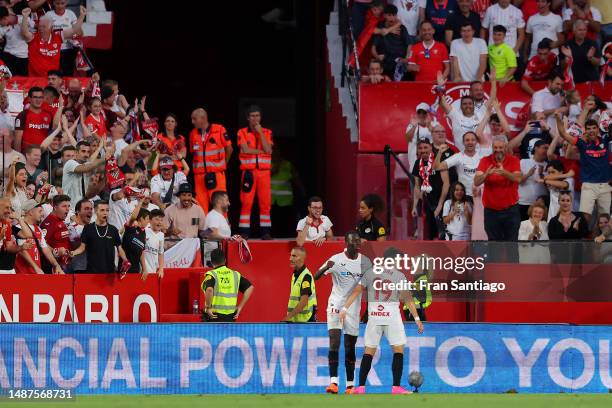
(101, 243)
(133, 244)
(529, 141)
(452, 172)
(456, 20)
(7, 259)
(306, 288)
(371, 229)
(392, 45)
(51, 162)
(583, 70)
(243, 285)
(435, 180)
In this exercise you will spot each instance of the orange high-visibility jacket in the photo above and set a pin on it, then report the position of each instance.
(208, 149)
(248, 161)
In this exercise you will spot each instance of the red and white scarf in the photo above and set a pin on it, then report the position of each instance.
(426, 170)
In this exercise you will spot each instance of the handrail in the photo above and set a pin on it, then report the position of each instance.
(349, 48)
(388, 154)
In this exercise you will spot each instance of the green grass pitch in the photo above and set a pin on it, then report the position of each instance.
(332, 401)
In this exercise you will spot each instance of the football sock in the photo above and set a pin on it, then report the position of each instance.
(349, 358)
(397, 367)
(364, 369)
(332, 357)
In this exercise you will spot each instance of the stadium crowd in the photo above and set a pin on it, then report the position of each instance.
(551, 179)
(87, 172)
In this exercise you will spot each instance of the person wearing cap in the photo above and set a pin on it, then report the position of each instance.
(420, 127)
(165, 185)
(184, 219)
(30, 261)
(544, 25)
(539, 66)
(533, 170)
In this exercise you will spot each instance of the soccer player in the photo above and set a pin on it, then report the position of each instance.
(346, 269)
(384, 317)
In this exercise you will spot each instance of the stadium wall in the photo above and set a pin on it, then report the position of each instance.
(281, 358)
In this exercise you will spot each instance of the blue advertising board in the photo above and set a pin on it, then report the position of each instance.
(281, 358)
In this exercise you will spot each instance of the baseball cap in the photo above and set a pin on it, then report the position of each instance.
(28, 205)
(422, 106)
(166, 162)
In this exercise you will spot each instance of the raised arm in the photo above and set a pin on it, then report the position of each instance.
(77, 27)
(25, 24)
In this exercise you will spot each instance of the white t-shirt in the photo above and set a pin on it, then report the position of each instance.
(422, 132)
(118, 211)
(408, 15)
(8, 159)
(458, 227)
(468, 56)
(120, 144)
(462, 124)
(510, 17)
(346, 274)
(543, 100)
(530, 190)
(541, 27)
(63, 22)
(466, 168)
(154, 246)
(16, 44)
(149, 208)
(73, 183)
(161, 186)
(315, 233)
(215, 219)
(526, 229)
(7, 121)
(43, 243)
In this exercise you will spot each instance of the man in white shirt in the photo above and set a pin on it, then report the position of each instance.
(504, 13)
(314, 227)
(216, 227)
(408, 14)
(154, 245)
(419, 128)
(160, 184)
(463, 120)
(544, 24)
(547, 100)
(532, 169)
(466, 161)
(468, 56)
(16, 48)
(76, 172)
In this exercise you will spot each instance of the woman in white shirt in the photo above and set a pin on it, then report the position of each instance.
(557, 180)
(457, 214)
(534, 228)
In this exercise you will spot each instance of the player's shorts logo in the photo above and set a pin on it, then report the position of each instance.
(381, 308)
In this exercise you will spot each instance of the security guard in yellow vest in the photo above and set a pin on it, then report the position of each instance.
(421, 296)
(221, 286)
(302, 305)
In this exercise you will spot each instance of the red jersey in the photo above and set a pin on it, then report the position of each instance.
(51, 108)
(529, 8)
(21, 266)
(499, 192)
(97, 126)
(173, 146)
(56, 234)
(430, 60)
(44, 56)
(568, 165)
(35, 126)
(538, 70)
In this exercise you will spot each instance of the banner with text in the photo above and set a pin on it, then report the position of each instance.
(281, 358)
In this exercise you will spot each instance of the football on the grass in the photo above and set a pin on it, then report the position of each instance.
(415, 379)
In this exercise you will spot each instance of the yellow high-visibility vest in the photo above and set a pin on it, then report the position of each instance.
(295, 295)
(225, 291)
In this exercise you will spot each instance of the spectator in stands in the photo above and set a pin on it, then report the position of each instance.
(315, 226)
(463, 120)
(468, 56)
(172, 143)
(431, 188)
(546, 101)
(30, 261)
(438, 11)
(466, 162)
(603, 230)
(491, 125)
(392, 49)
(76, 172)
(9, 155)
(457, 214)
(535, 228)
(439, 142)
(95, 122)
(420, 127)
(44, 46)
(408, 14)
(585, 54)
(502, 58)
(165, 185)
(185, 219)
(595, 169)
(15, 54)
(51, 159)
(511, 18)
(55, 80)
(533, 172)
(428, 57)
(557, 180)
(82, 217)
(32, 164)
(15, 188)
(582, 10)
(56, 231)
(478, 95)
(216, 225)
(75, 96)
(369, 227)
(64, 19)
(544, 25)
(7, 121)
(32, 125)
(540, 66)
(8, 243)
(99, 241)
(119, 203)
(457, 20)
(154, 247)
(375, 73)
(500, 173)
(566, 224)
(134, 240)
(533, 132)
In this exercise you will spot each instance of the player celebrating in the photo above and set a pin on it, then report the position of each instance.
(384, 317)
(346, 268)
